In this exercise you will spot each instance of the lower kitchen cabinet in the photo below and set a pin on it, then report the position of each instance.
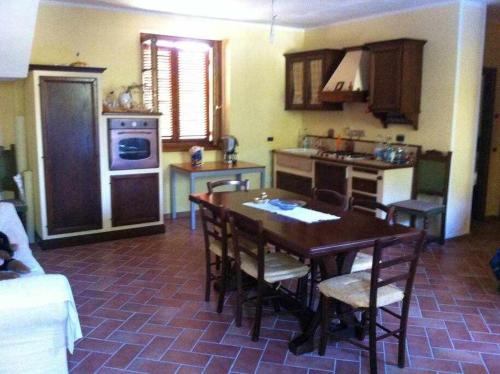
(331, 177)
(135, 199)
(294, 183)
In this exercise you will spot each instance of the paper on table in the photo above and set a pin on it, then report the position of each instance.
(299, 213)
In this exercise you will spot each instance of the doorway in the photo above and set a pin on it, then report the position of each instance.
(483, 150)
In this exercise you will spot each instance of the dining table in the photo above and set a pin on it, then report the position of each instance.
(332, 244)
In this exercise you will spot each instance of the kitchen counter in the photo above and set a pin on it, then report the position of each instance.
(313, 154)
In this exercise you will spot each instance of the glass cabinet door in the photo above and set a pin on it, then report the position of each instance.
(297, 83)
(315, 81)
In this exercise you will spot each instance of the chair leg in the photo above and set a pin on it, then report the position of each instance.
(312, 284)
(217, 262)
(402, 335)
(239, 296)
(223, 282)
(324, 304)
(208, 276)
(258, 313)
(372, 336)
(443, 228)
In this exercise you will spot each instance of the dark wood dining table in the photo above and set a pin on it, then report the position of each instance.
(332, 244)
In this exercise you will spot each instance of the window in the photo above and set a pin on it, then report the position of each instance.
(182, 79)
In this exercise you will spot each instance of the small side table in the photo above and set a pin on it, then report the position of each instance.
(21, 208)
(208, 169)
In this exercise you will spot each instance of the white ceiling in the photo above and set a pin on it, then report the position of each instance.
(294, 13)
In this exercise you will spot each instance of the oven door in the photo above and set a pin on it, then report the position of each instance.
(133, 149)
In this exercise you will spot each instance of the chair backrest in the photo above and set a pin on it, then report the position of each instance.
(374, 205)
(242, 185)
(399, 268)
(214, 224)
(248, 234)
(331, 197)
(433, 174)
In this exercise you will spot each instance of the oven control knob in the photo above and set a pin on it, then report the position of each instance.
(122, 124)
(134, 124)
(145, 124)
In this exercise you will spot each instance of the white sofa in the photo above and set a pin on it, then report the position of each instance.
(38, 318)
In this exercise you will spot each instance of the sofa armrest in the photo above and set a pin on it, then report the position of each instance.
(37, 292)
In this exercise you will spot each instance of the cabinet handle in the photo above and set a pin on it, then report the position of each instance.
(379, 178)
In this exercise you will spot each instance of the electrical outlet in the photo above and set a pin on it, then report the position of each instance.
(270, 138)
(400, 138)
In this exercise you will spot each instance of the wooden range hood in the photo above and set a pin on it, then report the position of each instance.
(349, 82)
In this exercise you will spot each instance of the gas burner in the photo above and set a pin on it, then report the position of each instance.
(345, 155)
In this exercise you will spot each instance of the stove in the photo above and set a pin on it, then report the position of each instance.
(345, 155)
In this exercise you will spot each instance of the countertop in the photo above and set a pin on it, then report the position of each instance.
(312, 154)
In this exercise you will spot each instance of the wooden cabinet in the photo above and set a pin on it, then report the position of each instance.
(294, 183)
(135, 199)
(331, 176)
(396, 80)
(70, 133)
(306, 74)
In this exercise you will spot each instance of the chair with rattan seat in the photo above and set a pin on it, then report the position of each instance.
(242, 185)
(268, 269)
(432, 177)
(367, 292)
(338, 200)
(215, 233)
(363, 261)
(331, 197)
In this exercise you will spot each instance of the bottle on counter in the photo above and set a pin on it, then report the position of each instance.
(389, 152)
(379, 150)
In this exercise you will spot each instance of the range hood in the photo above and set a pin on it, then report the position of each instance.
(349, 82)
(17, 27)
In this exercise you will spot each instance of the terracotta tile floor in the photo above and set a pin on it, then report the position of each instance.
(141, 308)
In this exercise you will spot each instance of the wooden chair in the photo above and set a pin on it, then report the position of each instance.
(431, 178)
(269, 269)
(367, 293)
(214, 223)
(240, 185)
(363, 261)
(331, 197)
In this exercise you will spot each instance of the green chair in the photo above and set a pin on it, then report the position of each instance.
(431, 178)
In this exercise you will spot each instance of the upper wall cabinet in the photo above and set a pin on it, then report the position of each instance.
(396, 80)
(306, 74)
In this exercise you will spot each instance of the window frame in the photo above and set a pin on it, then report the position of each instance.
(215, 112)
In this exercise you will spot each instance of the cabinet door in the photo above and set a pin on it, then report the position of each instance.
(69, 111)
(330, 177)
(385, 78)
(314, 81)
(135, 199)
(294, 183)
(296, 88)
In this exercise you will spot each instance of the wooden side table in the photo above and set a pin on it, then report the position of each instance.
(208, 169)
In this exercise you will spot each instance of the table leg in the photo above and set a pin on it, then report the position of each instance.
(173, 188)
(262, 179)
(192, 205)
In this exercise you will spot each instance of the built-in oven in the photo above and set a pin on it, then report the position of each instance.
(133, 143)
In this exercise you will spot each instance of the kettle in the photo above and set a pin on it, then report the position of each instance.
(228, 144)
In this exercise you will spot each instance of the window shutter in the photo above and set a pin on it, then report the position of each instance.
(193, 94)
(147, 75)
(165, 92)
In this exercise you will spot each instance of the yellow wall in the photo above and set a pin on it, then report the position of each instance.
(492, 60)
(448, 109)
(11, 105)
(466, 115)
(254, 69)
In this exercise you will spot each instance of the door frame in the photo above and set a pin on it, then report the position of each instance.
(484, 140)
